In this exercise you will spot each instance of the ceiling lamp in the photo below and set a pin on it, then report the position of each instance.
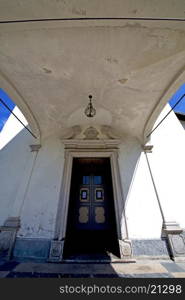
(90, 111)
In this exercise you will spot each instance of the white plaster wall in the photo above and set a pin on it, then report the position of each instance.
(142, 212)
(38, 214)
(167, 161)
(30, 182)
(15, 158)
(168, 164)
(12, 127)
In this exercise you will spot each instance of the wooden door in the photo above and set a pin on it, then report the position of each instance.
(91, 223)
(92, 208)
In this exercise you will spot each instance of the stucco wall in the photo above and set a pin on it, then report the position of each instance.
(14, 160)
(142, 212)
(39, 210)
(29, 181)
(167, 163)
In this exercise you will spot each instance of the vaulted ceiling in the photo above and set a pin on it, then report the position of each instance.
(50, 67)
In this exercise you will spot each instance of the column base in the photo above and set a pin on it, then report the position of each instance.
(56, 251)
(125, 247)
(8, 233)
(176, 240)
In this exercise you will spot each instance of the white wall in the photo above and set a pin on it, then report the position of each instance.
(39, 210)
(12, 127)
(30, 182)
(167, 163)
(142, 212)
(15, 158)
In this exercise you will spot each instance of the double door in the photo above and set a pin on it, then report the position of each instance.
(91, 202)
(91, 226)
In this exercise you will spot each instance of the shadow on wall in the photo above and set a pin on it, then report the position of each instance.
(21, 138)
(13, 159)
(129, 155)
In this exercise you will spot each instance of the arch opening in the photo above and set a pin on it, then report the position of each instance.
(171, 95)
(12, 120)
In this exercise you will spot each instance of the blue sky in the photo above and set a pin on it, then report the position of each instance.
(181, 106)
(4, 113)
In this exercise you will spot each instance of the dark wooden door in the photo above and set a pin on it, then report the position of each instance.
(91, 223)
(92, 208)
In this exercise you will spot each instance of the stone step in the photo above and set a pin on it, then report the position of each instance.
(91, 268)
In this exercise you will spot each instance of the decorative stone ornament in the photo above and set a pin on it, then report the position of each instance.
(35, 148)
(91, 133)
(176, 240)
(125, 248)
(56, 251)
(148, 148)
(109, 132)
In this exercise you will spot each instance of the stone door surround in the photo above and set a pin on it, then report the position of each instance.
(75, 148)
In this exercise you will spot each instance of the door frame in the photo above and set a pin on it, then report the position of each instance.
(111, 152)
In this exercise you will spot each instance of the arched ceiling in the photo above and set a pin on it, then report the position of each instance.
(127, 65)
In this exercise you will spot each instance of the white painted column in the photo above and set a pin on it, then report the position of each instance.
(26, 178)
(154, 185)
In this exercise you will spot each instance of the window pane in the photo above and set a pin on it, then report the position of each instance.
(84, 195)
(99, 194)
(85, 180)
(97, 179)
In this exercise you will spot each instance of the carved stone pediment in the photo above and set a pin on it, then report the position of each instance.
(91, 133)
(91, 137)
(92, 145)
(109, 132)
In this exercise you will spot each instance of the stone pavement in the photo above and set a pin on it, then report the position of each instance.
(139, 269)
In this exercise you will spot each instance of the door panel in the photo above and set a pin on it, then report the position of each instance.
(91, 203)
